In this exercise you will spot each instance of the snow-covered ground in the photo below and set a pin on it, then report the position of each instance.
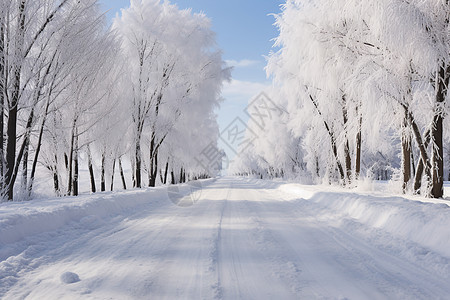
(236, 238)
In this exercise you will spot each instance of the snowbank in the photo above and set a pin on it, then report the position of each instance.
(422, 221)
(19, 220)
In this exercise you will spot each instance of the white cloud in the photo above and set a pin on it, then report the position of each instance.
(243, 91)
(241, 63)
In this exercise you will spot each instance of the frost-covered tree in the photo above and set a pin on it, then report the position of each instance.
(271, 149)
(36, 39)
(169, 64)
(313, 72)
(70, 89)
(85, 52)
(360, 77)
(413, 50)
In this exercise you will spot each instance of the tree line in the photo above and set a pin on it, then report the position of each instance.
(365, 85)
(74, 90)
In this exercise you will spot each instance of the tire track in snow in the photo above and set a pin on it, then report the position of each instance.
(283, 267)
(215, 253)
(247, 272)
(286, 265)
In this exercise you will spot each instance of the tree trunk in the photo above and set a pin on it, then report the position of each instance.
(112, 174)
(44, 118)
(358, 148)
(25, 166)
(348, 159)
(124, 184)
(56, 182)
(22, 155)
(153, 163)
(133, 171)
(437, 190)
(442, 81)
(75, 162)
(418, 174)
(12, 109)
(183, 175)
(154, 170)
(172, 174)
(91, 169)
(418, 177)
(166, 171)
(154, 145)
(137, 176)
(332, 139)
(317, 166)
(406, 154)
(55, 170)
(424, 162)
(66, 161)
(70, 161)
(11, 139)
(102, 179)
(38, 147)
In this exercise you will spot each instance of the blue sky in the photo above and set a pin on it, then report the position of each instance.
(245, 32)
(244, 28)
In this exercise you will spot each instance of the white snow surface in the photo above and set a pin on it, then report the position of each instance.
(243, 239)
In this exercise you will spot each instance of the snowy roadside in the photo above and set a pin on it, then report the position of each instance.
(422, 221)
(19, 220)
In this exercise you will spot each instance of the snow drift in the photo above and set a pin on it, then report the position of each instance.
(422, 221)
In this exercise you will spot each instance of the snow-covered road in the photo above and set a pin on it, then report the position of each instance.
(243, 239)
